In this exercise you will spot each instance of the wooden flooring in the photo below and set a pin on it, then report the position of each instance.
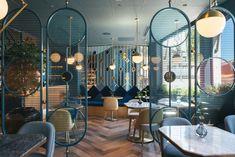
(109, 139)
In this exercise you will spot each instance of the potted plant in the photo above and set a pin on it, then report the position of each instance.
(22, 74)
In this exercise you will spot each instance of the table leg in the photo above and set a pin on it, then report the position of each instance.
(161, 144)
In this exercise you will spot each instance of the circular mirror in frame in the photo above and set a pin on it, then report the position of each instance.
(170, 27)
(215, 76)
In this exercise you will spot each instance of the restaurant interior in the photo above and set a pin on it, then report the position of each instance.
(111, 78)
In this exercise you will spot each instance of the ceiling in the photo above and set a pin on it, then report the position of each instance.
(107, 19)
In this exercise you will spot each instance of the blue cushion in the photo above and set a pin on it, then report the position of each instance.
(120, 91)
(93, 92)
(171, 151)
(82, 90)
(98, 97)
(95, 103)
(133, 92)
(106, 91)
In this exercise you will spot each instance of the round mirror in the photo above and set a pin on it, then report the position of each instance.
(170, 27)
(22, 77)
(67, 76)
(66, 27)
(55, 57)
(215, 76)
(169, 76)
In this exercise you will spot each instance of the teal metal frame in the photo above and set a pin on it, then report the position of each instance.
(189, 63)
(85, 69)
(3, 87)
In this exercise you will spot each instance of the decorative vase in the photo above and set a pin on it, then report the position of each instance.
(201, 130)
(140, 101)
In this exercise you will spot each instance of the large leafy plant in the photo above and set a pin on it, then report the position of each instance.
(26, 50)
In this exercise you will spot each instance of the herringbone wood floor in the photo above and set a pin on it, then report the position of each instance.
(109, 139)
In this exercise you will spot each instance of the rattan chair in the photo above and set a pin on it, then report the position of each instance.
(62, 121)
(143, 123)
(132, 114)
(110, 105)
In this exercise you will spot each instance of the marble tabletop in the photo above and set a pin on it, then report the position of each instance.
(217, 143)
(14, 145)
(143, 105)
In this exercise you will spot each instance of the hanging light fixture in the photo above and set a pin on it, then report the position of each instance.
(3, 8)
(79, 67)
(112, 66)
(145, 67)
(176, 58)
(155, 60)
(70, 59)
(136, 57)
(79, 57)
(211, 23)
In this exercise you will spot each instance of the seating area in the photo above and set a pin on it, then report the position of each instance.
(117, 78)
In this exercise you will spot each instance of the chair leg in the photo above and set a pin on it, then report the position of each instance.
(116, 114)
(105, 112)
(130, 120)
(134, 132)
(112, 115)
(142, 138)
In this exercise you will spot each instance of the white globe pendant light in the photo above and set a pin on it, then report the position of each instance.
(3, 8)
(211, 23)
(70, 60)
(79, 67)
(137, 57)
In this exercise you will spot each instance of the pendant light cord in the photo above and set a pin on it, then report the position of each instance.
(137, 29)
(70, 33)
(212, 3)
(169, 2)
(66, 3)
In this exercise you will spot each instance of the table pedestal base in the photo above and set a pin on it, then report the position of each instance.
(137, 139)
(110, 119)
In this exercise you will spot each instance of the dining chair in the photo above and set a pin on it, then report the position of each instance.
(110, 105)
(143, 123)
(229, 123)
(62, 121)
(168, 149)
(132, 114)
(45, 128)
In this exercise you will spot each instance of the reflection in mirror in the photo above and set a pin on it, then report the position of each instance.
(215, 76)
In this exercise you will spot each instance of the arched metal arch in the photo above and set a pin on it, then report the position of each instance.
(85, 68)
(169, 47)
(6, 19)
